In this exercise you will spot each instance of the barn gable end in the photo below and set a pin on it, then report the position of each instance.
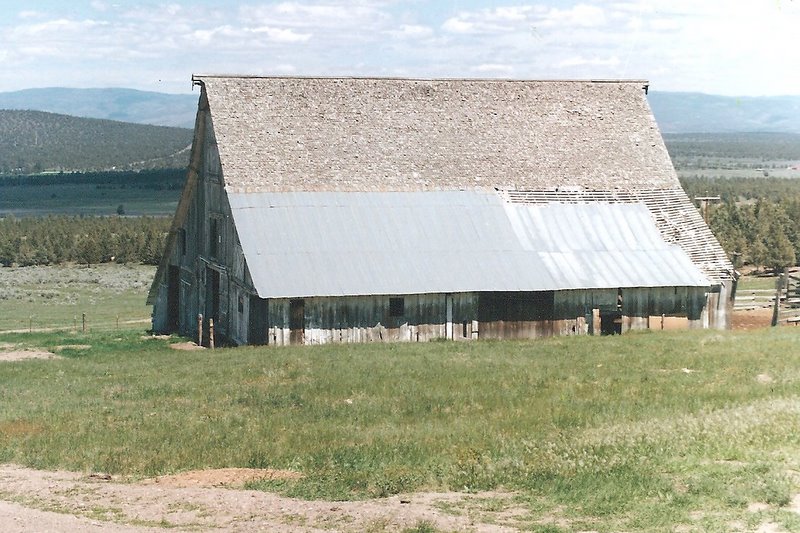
(357, 209)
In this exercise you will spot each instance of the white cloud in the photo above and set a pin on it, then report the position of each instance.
(458, 25)
(578, 61)
(411, 31)
(496, 20)
(580, 16)
(719, 46)
(282, 35)
(30, 14)
(493, 69)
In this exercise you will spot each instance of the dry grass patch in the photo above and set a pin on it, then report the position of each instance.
(11, 355)
(63, 347)
(186, 346)
(224, 477)
(20, 428)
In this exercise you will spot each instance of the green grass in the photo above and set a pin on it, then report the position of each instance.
(85, 199)
(110, 295)
(757, 282)
(639, 432)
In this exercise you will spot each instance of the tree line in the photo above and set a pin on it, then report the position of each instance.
(697, 150)
(755, 219)
(86, 240)
(154, 179)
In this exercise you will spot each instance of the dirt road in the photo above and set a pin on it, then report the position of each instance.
(32, 500)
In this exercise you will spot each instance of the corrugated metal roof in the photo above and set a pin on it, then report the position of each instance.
(352, 243)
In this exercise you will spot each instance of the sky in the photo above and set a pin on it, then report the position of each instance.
(727, 47)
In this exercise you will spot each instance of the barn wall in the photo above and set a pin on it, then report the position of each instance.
(467, 316)
(209, 257)
(718, 307)
(326, 320)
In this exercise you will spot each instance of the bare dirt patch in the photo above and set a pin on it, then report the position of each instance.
(751, 319)
(67, 501)
(222, 477)
(186, 346)
(9, 355)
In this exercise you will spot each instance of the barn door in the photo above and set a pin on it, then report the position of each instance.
(212, 294)
(257, 323)
(297, 321)
(173, 297)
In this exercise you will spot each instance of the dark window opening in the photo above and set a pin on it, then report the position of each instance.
(213, 235)
(212, 293)
(241, 304)
(397, 307)
(516, 306)
(182, 241)
(464, 329)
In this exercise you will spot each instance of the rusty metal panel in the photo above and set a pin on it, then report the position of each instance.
(348, 244)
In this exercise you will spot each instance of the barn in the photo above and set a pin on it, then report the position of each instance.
(325, 210)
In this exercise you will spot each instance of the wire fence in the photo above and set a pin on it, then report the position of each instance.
(83, 323)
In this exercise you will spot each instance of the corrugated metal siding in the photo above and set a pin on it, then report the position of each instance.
(335, 244)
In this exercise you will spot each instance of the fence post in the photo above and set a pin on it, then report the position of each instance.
(200, 329)
(779, 283)
(211, 333)
(83, 322)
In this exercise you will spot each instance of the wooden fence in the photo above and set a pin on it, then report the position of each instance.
(786, 292)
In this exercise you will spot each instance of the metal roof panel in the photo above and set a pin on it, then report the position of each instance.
(359, 243)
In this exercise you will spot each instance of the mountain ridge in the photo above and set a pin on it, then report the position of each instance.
(692, 112)
(119, 104)
(36, 141)
(675, 112)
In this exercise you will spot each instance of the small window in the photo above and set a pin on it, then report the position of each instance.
(241, 304)
(397, 307)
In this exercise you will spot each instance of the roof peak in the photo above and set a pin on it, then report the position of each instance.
(199, 77)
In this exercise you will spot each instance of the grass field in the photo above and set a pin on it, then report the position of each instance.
(110, 295)
(642, 432)
(85, 199)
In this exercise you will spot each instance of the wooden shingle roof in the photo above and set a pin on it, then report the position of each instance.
(385, 134)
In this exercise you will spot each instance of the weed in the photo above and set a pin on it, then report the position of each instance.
(422, 526)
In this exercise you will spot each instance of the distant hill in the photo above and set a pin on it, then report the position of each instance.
(704, 113)
(35, 141)
(125, 105)
(675, 112)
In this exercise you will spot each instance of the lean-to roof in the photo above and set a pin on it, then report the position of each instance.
(336, 244)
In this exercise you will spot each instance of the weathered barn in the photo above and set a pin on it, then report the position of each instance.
(324, 210)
